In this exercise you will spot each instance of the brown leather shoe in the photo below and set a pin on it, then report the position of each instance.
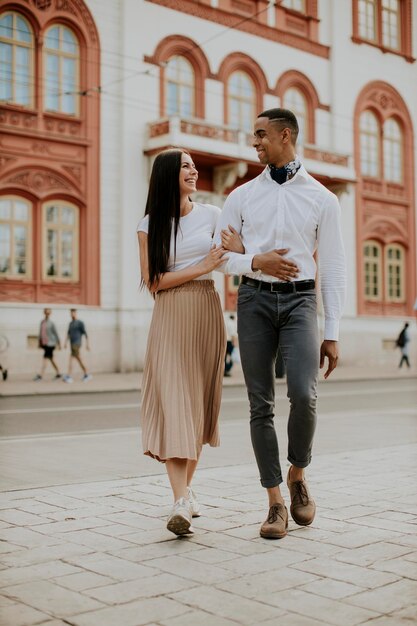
(303, 507)
(276, 524)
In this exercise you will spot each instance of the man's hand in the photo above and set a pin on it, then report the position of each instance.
(274, 264)
(329, 349)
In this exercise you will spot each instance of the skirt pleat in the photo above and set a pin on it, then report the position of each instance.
(183, 372)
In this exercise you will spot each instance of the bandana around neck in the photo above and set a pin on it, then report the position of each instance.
(286, 172)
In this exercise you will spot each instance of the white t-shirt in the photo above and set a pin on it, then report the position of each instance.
(194, 236)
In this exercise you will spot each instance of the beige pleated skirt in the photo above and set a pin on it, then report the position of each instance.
(183, 372)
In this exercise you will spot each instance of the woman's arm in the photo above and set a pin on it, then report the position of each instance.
(231, 240)
(174, 279)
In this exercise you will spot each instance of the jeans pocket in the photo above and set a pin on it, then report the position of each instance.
(246, 294)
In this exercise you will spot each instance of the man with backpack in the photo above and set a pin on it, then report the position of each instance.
(402, 342)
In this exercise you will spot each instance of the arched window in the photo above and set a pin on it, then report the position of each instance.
(61, 70)
(180, 87)
(61, 241)
(369, 138)
(296, 102)
(372, 268)
(241, 101)
(15, 237)
(16, 60)
(393, 151)
(394, 273)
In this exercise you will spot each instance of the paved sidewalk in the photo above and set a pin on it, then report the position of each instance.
(21, 385)
(98, 554)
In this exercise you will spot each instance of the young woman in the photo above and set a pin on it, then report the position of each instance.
(184, 360)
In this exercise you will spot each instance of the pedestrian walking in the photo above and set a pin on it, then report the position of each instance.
(402, 342)
(283, 216)
(48, 341)
(231, 333)
(183, 369)
(75, 333)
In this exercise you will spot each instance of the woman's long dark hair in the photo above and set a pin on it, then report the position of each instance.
(163, 208)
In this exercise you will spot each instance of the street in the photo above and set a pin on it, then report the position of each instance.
(81, 437)
(82, 517)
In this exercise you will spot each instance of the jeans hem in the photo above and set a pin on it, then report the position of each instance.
(299, 464)
(268, 484)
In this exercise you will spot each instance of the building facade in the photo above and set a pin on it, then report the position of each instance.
(91, 90)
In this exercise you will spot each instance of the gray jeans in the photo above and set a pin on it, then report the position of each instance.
(267, 321)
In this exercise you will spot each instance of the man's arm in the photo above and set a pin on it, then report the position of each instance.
(272, 263)
(67, 336)
(84, 332)
(231, 214)
(55, 332)
(332, 272)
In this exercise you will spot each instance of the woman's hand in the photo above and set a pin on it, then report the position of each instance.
(231, 240)
(215, 257)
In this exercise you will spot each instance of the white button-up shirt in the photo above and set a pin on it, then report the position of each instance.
(301, 215)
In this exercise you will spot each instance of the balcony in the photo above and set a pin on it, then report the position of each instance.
(221, 144)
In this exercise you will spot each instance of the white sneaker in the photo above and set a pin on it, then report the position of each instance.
(87, 377)
(179, 522)
(194, 503)
(68, 379)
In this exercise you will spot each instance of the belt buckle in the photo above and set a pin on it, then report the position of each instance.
(274, 287)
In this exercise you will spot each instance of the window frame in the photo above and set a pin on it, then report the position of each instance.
(404, 48)
(29, 248)
(303, 11)
(76, 243)
(240, 100)
(392, 299)
(305, 115)
(392, 141)
(379, 262)
(31, 46)
(180, 85)
(379, 145)
(60, 54)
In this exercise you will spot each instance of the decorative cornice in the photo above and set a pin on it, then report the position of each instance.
(39, 181)
(250, 26)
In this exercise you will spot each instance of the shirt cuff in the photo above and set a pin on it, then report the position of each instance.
(239, 264)
(331, 330)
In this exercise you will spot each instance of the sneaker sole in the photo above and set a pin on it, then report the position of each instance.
(179, 525)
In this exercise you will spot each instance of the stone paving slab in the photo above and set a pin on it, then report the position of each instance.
(98, 553)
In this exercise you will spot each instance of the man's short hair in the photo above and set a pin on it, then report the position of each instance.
(285, 118)
(73, 310)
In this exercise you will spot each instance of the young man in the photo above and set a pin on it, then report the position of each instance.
(76, 330)
(283, 216)
(48, 341)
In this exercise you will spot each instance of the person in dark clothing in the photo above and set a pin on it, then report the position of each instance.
(402, 342)
(48, 341)
(76, 330)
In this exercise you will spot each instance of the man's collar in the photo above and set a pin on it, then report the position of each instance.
(302, 172)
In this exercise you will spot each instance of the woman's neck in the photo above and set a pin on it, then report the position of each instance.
(185, 206)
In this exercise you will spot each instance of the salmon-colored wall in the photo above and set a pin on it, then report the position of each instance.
(385, 210)
(47, 155)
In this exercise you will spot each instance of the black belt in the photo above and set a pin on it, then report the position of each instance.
(290, 287)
